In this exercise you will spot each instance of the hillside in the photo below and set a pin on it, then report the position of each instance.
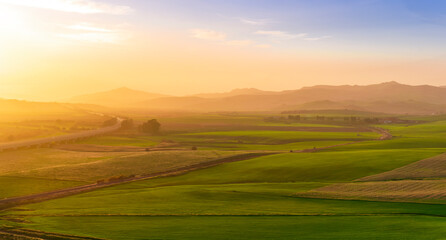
(17, 110)
(390, 97)
(235, 92)
(120, 97)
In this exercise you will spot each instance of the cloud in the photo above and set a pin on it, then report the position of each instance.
(208, 34)
(281, 35)
(87, 27)
(86, 32)
(220, 37)
(74, 6)
(256, 22)
(316, 38)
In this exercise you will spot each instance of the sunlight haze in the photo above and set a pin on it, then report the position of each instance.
(78, 47)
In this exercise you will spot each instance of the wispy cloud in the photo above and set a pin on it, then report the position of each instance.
(316, 38)
(281, 35)
(208, 34)
(86, 32)
(88, 27)
(75, 6)
(255, 22)
(221, 37)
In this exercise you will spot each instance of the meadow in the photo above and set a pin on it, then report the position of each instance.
(267, 197)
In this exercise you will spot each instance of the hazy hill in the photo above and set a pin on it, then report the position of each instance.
(17, 110)
(121, 97)
(384, 97)
(235, 92)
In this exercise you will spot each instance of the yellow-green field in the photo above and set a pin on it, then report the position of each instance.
(288, 195)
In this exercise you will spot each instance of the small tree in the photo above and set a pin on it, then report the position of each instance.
(110, 122)
(127, 124)
(151, 127)
(10, 138)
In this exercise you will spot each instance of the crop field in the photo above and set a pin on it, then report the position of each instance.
(130, 164)
(406, 190)
(434, 167)
(287, 195)
(41, 170)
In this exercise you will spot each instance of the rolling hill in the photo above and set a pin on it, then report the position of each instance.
(389, 97)
(235, 92)
(120, 97)
(18, 110)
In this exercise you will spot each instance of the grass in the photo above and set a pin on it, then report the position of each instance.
(248, 227)
(407, 190)
(130, 164)
(434, 167)
(258, 198)
(304, 167)
(283, 136)
(110, 140)
(15, 162)
(21, 186)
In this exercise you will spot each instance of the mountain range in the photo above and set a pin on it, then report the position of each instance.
(388, 97)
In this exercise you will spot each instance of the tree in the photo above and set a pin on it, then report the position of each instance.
(127, 124)
(10, 138)
(151, 127)
(110, 122)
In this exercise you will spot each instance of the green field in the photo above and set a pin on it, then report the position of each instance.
(22, 186)
(259, 198)
(247, 227)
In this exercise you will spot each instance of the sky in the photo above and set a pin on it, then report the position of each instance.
(51, 50)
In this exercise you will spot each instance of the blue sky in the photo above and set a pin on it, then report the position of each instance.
(216, 45)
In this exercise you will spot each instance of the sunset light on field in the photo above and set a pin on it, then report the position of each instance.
(223, 119)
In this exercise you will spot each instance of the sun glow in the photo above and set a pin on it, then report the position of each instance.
(10, 20)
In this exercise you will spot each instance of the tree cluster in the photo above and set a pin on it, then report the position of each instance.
(151, 127)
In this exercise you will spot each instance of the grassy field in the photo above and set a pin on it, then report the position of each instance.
(267, 197)
(131, 164)
(22, 186)
(434, 167)
(32, 129)
(407, 190)
(136, 141)
(248, 227)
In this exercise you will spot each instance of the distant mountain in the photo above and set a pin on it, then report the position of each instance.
(121, 97)
(384, 97)
(235, 92)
